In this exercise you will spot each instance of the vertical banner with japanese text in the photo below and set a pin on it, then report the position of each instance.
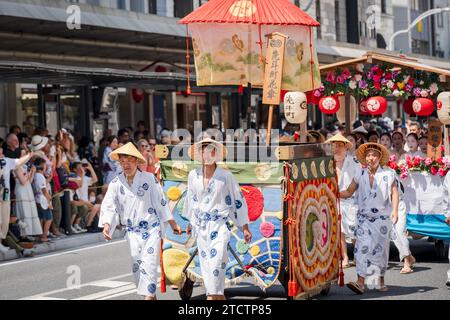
(434, 139)
(273, 73)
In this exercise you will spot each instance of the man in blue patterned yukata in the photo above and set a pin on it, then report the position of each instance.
(136, 199)
(377, 192)
(213, 198)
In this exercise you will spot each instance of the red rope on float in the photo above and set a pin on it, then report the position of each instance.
(188, 62)
(312, 60)
(163, 276)
(338, 203)
(290, 222)
(260, 43)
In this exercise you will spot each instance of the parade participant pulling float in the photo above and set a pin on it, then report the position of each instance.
(290, 191)
(420, 89)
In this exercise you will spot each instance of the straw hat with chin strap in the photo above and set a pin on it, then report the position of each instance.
(340, 138)
(361, 153)
(195, 153)
(129, 150)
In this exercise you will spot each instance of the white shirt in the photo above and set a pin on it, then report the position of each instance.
(40, 183)
(9, 165)
(83, 191)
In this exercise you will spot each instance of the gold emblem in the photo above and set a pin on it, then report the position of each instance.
(179, 170)
(331, 167)
(304, 170)
(294, 171)
(314, 169)
(263, 171)
(322, 168)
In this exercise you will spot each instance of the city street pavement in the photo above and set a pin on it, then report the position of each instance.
(105, 274)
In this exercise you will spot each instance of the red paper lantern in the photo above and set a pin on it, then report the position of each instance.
(282, 94)
(138, 95)
(423, 107)
(376, 106)
(329, 105)
(408, 106)
(311, 98)
(362, 108)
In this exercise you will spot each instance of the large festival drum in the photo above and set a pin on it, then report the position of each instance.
(262, 176)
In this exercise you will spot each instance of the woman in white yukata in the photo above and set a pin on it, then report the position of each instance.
(377, 193)
(213, 198)
(135, 199)
(347, 167)
(447, 216)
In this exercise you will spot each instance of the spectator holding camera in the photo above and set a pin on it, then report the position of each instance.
(6, 166)
(83, 191)
(42, 192)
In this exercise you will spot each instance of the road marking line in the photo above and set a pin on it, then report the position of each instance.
(61, 253)
(119, 294)
(106, 293)
(109, 284)
(44, 294)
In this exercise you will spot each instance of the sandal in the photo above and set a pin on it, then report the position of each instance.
(406, 270)
(355, 287)
(413, 263)
(383, 289)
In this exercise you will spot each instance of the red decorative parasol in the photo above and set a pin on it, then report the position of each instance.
(268, 12)
(228, 43)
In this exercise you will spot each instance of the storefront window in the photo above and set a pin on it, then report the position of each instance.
(29, 111)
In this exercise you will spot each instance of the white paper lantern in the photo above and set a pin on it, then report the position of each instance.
(443, 107)
(341, 112)
(295, 107)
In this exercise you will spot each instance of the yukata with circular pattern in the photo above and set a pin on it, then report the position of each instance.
(208, 211)
(143, 209)
(373, 222)
(349, 207)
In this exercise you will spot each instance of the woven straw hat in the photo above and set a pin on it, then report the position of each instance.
(340, 138)
(130, 150)
(361, 153)
(195, 150)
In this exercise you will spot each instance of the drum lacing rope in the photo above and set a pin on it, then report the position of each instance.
(290, 222)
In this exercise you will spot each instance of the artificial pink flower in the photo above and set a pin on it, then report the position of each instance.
(340, 79)
(434, 171)
(331, 77)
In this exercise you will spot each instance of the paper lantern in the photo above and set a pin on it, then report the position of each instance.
(363, 108)
(376, 106)
(329, 105)
(341, 112)
(423, 107)
(295, 107)
(443, 107)
(138, 95)
(311, 98)
(408, 106)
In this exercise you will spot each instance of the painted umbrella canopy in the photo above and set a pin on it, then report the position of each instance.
(228, 39)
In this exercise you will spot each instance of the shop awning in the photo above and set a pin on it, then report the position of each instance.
(41, 73)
